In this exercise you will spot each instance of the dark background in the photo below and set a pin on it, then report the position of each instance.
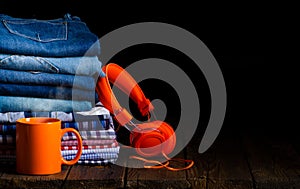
(250, 43)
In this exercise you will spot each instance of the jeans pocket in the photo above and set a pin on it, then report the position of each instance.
(28, 63)
(38, 30)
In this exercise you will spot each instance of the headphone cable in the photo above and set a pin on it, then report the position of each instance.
(159, 165)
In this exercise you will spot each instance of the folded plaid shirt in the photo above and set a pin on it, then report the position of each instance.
(91, 151)
(102, 137)
(7, 155)
(103, 146)
(89, 125)
(93, 156)
(87, 142)
(8, 133)
(7, 139)
(7, 129)
(80, 126)
(100, 134)
(97, 162)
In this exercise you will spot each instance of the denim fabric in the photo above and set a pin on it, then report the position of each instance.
(64, 65)
(9, 128)
(12, 117)
(45, 91)
(41, 78)
(85, 123)
(61, 37)
(18, 104)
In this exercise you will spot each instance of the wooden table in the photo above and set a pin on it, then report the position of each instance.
(232, 162)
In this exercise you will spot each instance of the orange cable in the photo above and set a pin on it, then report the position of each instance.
(165, 165)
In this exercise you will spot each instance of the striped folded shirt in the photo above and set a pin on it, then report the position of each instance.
(86, 135)
(7, 139)
(7, 156)
(80, 126)
(93, 156)
(91, 151)
(87, 142)
(99, 134)
(103, 146)
(92, 125)
(97, 162)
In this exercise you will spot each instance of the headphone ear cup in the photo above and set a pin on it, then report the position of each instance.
(153, 138)
(170, 137)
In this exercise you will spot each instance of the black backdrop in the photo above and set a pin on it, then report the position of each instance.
(248, 42)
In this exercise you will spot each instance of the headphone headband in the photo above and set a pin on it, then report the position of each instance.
(124, 81)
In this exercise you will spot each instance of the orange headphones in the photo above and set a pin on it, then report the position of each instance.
(149, 139)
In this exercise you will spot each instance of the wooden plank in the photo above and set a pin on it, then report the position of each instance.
(82, 176)
(198, 174)
(294, 140)
(11, 179)
(284, 151)
(229, 169)
(156, 178)
(109, 176)
(270, 166)
(223, 165)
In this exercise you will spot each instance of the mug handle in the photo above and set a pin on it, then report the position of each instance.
(75, 160)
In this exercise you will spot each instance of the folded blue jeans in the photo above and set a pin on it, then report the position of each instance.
(61, 37)
(18, 104)
(12, 117)
(86, 65)
(41, 78)
(97, 124)
(72, 119)
(45, 91)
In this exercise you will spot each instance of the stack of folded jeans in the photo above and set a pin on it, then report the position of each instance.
(47, 65)
(48, 68)
(39, 89)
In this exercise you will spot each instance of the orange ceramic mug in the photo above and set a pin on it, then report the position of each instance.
(38, 146)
